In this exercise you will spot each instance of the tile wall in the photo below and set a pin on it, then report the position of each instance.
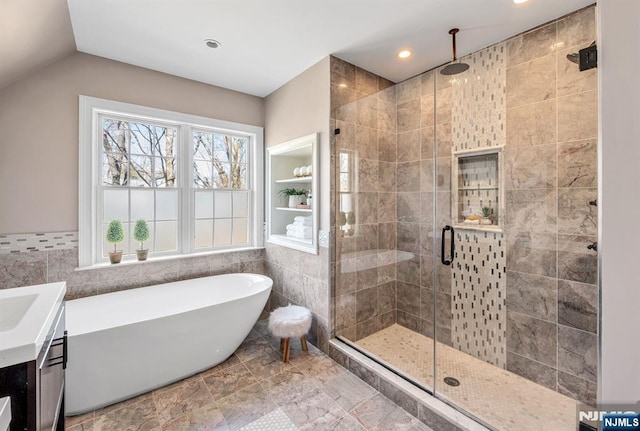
(551, 175)
(364, 109)
(548, 114)
(46, 266)
(301, 279)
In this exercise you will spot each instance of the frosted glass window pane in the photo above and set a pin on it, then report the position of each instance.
(240, 235)
(240, 204)
(141, 204)
(204, 204)
(203, 235)
(108, 247)
(166, 235)
(147, 244)
(222, 232)
(222, 205)
(116, 205)
(166, 204)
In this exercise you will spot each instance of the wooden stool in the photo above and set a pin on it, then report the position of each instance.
(289, 322)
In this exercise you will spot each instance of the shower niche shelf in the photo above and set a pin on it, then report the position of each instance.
(478, 184)
(281, 161)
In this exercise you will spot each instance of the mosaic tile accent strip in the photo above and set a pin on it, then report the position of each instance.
(479, 101)
(478, 287)
(276, 420)
(26, 242)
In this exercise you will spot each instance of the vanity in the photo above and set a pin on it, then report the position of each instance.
(33, 355)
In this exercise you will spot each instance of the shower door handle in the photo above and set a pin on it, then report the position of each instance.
(453, 245)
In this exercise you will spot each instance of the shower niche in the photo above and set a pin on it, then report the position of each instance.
(478, 198)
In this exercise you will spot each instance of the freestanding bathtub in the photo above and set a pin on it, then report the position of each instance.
(126, 343)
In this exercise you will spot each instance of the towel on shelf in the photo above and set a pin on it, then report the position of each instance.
(303, 219)
(304, 231)
(296, 235)
(303, 223)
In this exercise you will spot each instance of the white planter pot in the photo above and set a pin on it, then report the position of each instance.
(295, 200)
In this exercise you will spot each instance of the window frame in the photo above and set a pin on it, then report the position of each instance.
(92, 109)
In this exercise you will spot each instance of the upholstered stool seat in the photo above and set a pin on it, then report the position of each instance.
(288, 322)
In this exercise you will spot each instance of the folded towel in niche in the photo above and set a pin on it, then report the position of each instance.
(297, 235)
(301, 218)
(303, 223)
(301, 230)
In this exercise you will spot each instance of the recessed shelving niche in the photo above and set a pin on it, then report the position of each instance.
(282, 160)
(477, 185)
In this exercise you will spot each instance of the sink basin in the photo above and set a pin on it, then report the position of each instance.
(26, 314)
(12, 310)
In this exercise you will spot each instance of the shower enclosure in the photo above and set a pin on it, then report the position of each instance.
(464, 213)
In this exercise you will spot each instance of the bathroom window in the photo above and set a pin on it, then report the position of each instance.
(196, 181)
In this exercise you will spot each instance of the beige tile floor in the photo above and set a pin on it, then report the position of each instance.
(254, 390)
(498, 397)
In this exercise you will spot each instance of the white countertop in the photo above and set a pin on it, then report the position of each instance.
(5, 413)
(26, 315)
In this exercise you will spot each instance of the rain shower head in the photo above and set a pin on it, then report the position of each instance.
(454, 68)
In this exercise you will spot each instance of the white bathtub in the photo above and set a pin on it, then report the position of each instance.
(126, 343)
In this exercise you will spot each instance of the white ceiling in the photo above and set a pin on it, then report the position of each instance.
(267, 43)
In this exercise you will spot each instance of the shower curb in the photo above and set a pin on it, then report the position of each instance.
(426, 408)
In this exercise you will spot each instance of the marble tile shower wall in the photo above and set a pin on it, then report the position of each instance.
(301, 279)
(37, 267)
(551, 175)
(364, 171)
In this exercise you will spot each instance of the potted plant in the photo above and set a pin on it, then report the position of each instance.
(115, 235)
(141, 234)
(296, 196)
(486, 213)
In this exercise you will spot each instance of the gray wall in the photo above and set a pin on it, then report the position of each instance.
(39, 120)
(296, 109)
(619, 199)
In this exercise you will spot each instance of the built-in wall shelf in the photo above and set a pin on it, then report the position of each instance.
(281, 162)
(295, 180)
(300, 210)
(478, 189)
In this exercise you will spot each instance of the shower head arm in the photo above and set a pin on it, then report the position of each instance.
(453, 32)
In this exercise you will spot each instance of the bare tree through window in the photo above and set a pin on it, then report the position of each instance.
(219, 161)
(138, 154)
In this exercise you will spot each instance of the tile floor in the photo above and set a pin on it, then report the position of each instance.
(254, 390)
(500, 398)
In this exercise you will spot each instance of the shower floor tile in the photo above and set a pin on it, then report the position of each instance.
(498, 397)
(253, 391)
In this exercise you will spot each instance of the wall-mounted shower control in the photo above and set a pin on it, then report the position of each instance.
(588, 57)
(594, 203)
(593, 246)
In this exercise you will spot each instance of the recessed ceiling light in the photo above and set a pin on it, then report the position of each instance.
(405, 53)
(212, 43)
(520, 1)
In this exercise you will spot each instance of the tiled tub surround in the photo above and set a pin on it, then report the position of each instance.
(36, 267)
(254, 391)
(549, 126)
